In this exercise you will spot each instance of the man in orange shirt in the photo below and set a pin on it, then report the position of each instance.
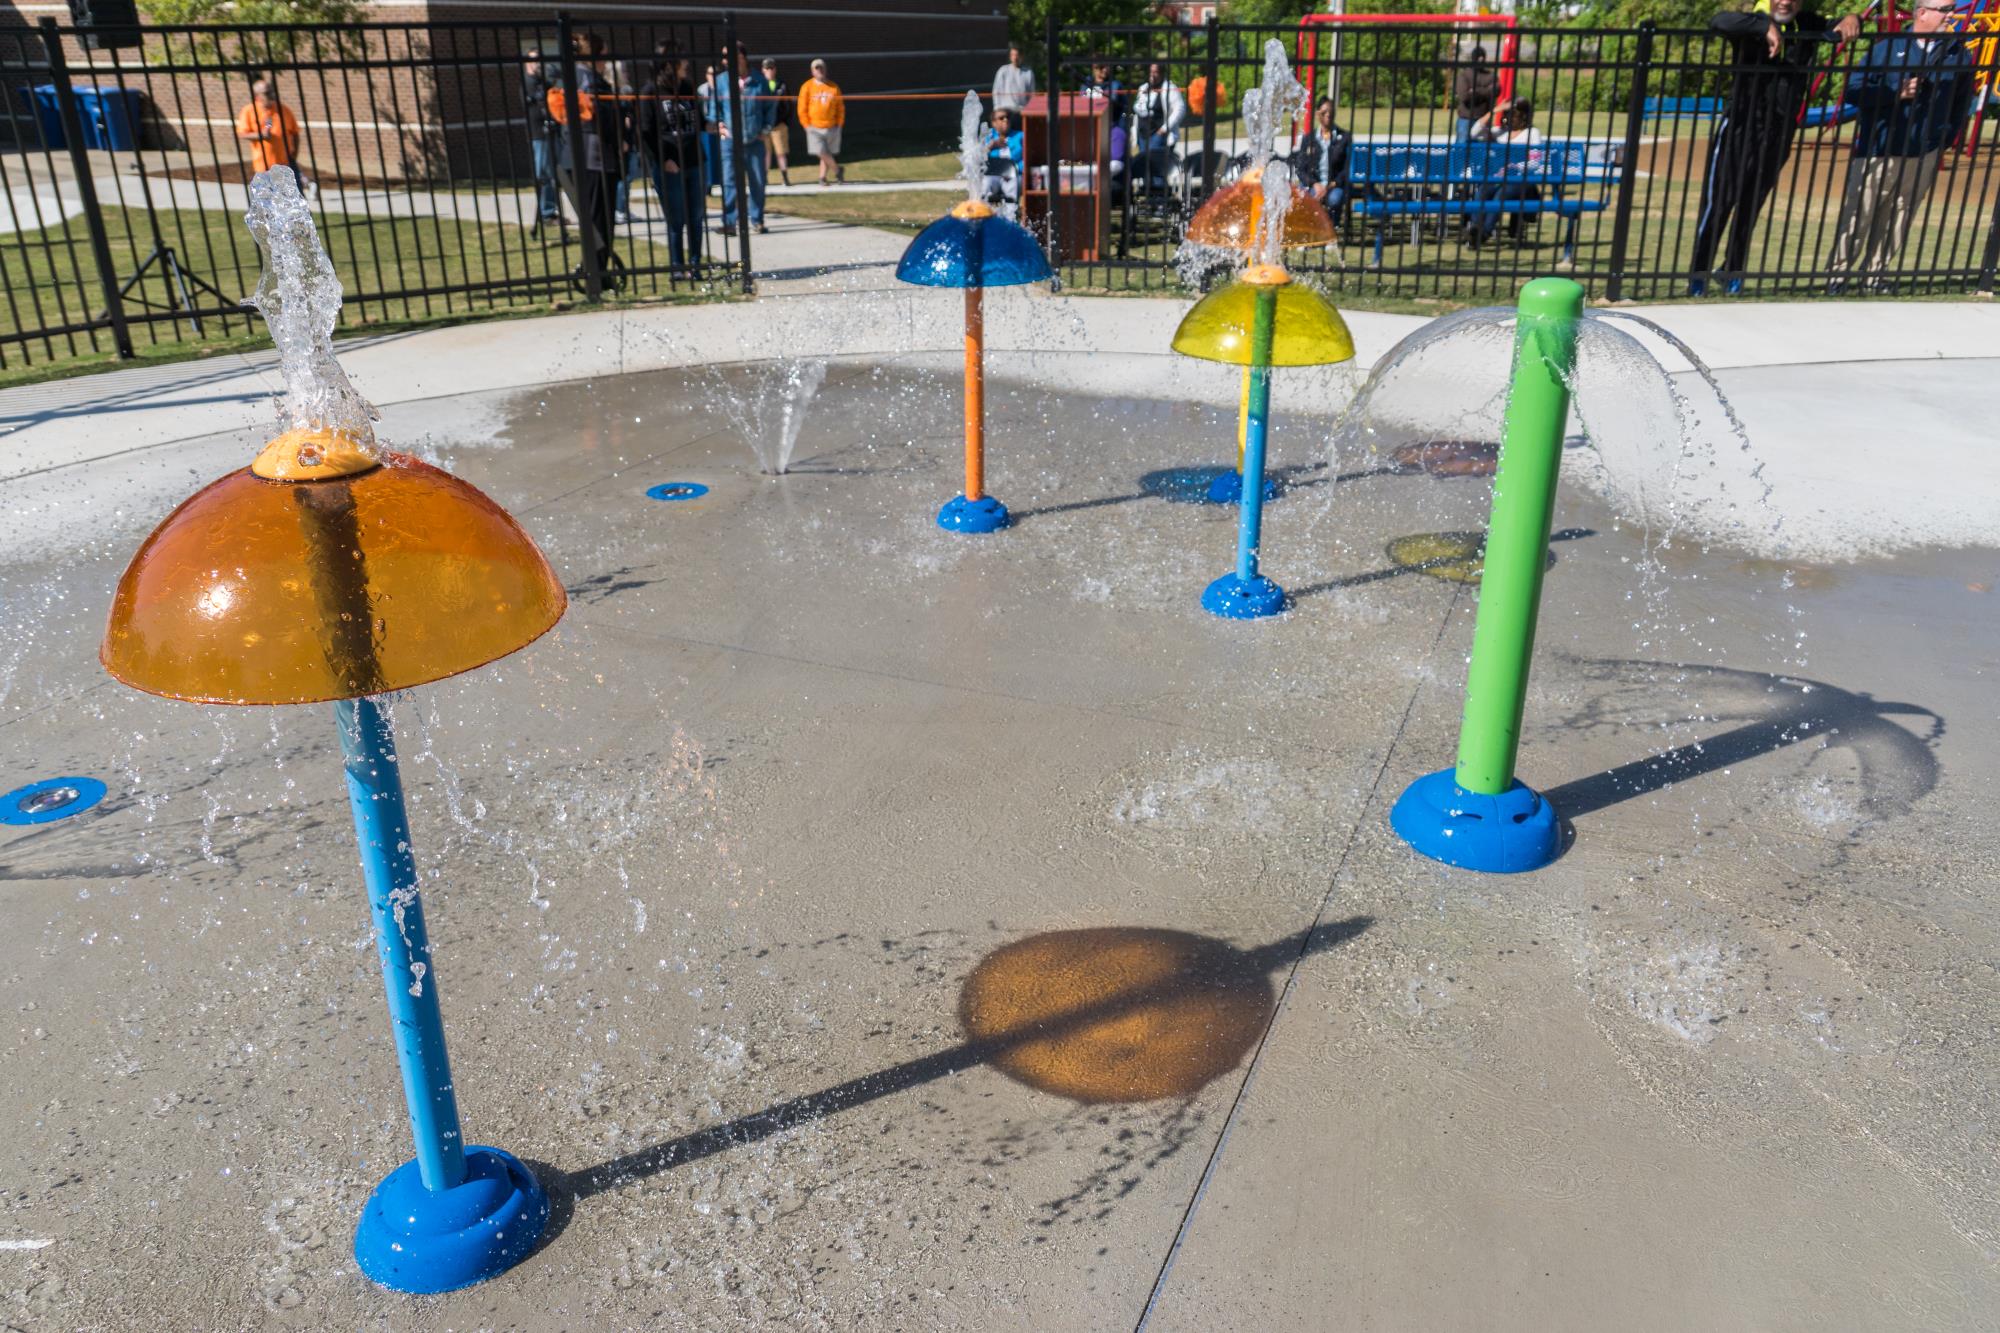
(822, 110)
(271, 130)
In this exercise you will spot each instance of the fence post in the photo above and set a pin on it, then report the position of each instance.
(586, 219)
(93, 214)
(1628, 170)
(738, 165)
(1054, 165)
(1210, 69)
(1991, 261)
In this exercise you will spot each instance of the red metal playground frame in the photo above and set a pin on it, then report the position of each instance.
(1305, 51)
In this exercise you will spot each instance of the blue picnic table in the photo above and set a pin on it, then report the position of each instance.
(1417, 180)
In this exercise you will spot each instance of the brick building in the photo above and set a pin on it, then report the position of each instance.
(436, 92)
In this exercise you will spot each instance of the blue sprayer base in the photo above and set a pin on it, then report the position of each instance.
(413, 1240)
(1227, 489)
(1237, 598)
(985, 514)
(1505, 834)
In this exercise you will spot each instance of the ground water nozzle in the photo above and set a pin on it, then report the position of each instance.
(974, 248)
(331, 570)
(1477, 814)
(1260, 320)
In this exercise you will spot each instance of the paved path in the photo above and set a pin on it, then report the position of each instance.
(712, 868)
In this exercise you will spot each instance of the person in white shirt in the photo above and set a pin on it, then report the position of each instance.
(1511, 123)
(1013, 83)
(1158, 112)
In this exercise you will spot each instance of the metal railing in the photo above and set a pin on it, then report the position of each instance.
(1661, 164)
(445, 178)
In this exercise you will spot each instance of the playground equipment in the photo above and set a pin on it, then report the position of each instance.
(1306, 44)
(1262, 319)
(1232, 219)
(1978, 22)
(1478, 815)
(331, 570)
(973, 248)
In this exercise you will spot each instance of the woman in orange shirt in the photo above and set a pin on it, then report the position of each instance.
(823, 111)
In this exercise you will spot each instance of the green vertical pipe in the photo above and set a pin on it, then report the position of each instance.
(1517, 538)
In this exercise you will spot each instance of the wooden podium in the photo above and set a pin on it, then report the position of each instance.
(1072, 184)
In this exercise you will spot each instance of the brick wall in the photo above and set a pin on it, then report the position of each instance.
(427, 102)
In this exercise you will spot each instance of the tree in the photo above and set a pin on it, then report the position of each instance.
(1028, 20)
(256, 49)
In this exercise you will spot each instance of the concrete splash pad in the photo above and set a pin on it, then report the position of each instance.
(800, 766)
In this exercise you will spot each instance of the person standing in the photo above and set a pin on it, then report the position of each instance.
(1013, 83)
(823, 112)
(671, 129)
(1773, 54)
(1474, 89)
(743, 141)
(593, 187)
(1913, 92)
(777, 139)
(1101, 86)
(271, 130)
(627, 76)
(535, 87)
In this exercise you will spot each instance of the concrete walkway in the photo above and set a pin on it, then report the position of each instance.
(1822, 388)
(862, 927)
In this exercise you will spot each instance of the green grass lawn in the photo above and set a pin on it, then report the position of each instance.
(905, 211)
(50, 278)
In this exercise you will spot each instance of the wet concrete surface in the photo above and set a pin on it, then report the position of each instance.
(712, 869)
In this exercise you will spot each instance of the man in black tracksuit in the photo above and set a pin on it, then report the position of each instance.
(1774, 54)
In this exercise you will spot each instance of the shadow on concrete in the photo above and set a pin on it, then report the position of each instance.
(1438, 566)
(807, 271)
(1189, 485)
(1898, 767)
(1048, 1010)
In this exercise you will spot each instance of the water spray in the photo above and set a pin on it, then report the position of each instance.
(1259, 216)
(330, 570)
(973, 248)
(1260, 320)
(1478, 815)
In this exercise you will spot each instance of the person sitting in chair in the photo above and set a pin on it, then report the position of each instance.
(1511, 123)
(1319, 163)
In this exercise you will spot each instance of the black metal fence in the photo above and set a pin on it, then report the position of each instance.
(444, 175)
(1645, 163)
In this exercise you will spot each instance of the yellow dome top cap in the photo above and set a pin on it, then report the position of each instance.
(972, 210)
(1307, 330)
(255, 593)
(314, 455)
(1233, 214)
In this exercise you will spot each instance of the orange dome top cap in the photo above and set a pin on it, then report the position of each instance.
(1233, 216)
(327, 569)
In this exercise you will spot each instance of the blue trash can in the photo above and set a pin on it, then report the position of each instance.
(110, 117)
(41, 101)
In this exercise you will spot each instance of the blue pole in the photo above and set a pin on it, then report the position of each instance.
(1261, 336)
(382, 827)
